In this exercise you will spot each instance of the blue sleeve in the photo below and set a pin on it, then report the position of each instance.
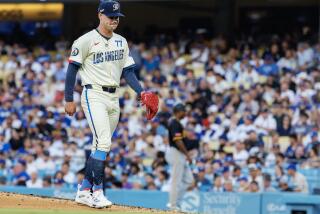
(131, 79)
(70, 81)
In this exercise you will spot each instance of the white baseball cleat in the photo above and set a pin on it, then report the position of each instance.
(99, 200)
(84, 197)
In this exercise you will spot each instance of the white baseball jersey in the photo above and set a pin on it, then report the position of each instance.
(102, 59)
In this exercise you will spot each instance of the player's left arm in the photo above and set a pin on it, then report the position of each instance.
(149, 99)
(131, 79)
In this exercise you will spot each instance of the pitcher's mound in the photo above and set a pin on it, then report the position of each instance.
(11, 201)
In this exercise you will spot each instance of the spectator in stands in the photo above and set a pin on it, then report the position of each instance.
(254, 187)
(255, 175)
(124, 180)
(44, 163)
(236, 173)
(302, 127)
(158, 79)
(44, 127)
(34, 181)
(226, 174)
(3, 180)
(267, 183)
(248, 104)
(279, 172)
(313, 143)
(305, 55)
(269, 67)
(284, 128)
(109, 179)
(291, 150)
(288, 62)
(270, 159)
(47, 181)
(79, 177)
(161, 180)
(202, 183)
(228, 186)
(20, 176)
(284, 185)
(68, 176)
(16, 140)
(149, 182)
(265, 122)
(58, 179)
(300, 155)
(313, 160)
(280, 160)
(217, 184)
(136, 177)
(3, 171)
(243, 185)
(240, 155)
(297, 179)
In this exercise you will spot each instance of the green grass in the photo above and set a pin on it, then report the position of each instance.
(32, 211)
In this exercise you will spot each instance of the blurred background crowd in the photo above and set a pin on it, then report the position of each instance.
(253, 104)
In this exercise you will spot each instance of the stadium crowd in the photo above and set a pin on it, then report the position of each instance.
(253, 105)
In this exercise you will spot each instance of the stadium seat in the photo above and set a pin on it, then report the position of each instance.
(284, 142)
(4, 58)
(267, 142)
(147, 161)
(214, 145)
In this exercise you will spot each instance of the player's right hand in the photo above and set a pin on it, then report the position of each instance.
(70, 108)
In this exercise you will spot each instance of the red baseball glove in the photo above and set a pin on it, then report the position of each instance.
(151, 101)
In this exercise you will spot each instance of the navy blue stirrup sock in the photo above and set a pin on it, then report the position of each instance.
(98, 158)
(98, 174)
(88, 179)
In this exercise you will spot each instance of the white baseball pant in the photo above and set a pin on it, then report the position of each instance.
(102, 112)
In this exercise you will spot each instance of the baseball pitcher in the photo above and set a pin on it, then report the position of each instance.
(101, 57)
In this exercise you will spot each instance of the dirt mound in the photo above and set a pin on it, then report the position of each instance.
(11, 200)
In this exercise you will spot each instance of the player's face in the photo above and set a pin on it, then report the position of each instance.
(110, 23)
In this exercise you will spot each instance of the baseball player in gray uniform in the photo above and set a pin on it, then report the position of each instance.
(101, 57)
(179, 159)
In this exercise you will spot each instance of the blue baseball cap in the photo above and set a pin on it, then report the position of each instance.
(225, 169)
(110, 8)
(228, 159)
(242, 178)
(249, 117)
(292, 166)
(201, 169)
(314, 134)
(217, 161)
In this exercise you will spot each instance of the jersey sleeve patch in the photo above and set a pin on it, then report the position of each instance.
(75, 52)
(79, 50)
